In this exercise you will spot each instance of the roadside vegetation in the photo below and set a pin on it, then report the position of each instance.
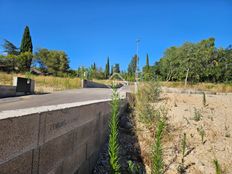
(44, 83)
(182, 134)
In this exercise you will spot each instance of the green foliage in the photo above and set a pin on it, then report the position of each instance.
(113, 137)
(116, 68)
(132, 68)
(197, 115)
(217, 166)
(24, 60)
(196, 62)
(133, 168)
(157, 154)
(148, 94)
(107, 69)
(52, 61)
(204, 99)
(26, 43)
(10, 48)
(148, 73)
(201, 131)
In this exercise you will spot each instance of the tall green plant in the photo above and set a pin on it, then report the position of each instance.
(113, 137)
(218, 169)
(157, 155)
(204, 99)
(183, 146)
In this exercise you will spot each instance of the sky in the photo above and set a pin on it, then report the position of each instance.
(91, 30)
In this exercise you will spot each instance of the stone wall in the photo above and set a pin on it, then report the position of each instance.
(61, 140)
(91, 84)
(7, 91)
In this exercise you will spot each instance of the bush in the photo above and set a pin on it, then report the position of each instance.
(147, 94)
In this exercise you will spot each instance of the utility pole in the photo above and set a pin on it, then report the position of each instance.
(137, 66)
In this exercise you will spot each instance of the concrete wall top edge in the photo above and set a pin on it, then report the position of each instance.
(27, 111)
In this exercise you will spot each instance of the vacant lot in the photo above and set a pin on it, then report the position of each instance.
(208, 129)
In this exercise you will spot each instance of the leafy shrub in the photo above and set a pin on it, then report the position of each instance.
(148, 93)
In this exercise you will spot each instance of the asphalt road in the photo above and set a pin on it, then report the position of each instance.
(69, 96)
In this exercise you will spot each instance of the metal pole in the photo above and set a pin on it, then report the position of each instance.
(137, 66)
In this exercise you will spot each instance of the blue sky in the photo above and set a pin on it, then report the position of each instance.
(90, 30)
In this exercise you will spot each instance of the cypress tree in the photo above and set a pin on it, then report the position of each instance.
(112, 70)
(147, 61)
(26, 43)
(107, 69)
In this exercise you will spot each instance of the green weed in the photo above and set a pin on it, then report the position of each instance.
(183, 146)
(217, 166)
(197, 115)
(201, 131)
(133, 168)
(157, 155)
(113, 137)
(204, 99)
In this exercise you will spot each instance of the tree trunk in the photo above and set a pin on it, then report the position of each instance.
(186, 78)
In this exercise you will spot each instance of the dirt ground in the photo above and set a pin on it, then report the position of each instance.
(186, 113)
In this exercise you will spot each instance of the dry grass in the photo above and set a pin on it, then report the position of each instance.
(220, 87)
(44, 83)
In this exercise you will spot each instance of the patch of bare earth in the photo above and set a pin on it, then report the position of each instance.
(215, 120)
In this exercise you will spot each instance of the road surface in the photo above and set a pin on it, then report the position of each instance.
(69, 96)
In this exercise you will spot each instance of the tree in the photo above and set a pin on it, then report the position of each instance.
(10, 48)
(107, 69)
(26, 43)
(24, 61)
(26, 46)
(147, 61)
(112, 70)
(116, 68)
(147, 71)
(132, 68)
(193, 62)
(53, 61)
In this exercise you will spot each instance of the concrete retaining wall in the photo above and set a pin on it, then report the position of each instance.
(59, 139)
(7, 91)
(91, 84)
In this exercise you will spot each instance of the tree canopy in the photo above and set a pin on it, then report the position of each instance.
(195, 62)
(26, 43)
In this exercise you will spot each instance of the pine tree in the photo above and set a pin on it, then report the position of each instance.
(10, 48)
(107, 69)
(26, 43)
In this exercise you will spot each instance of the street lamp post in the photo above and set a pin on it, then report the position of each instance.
(137, 66)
